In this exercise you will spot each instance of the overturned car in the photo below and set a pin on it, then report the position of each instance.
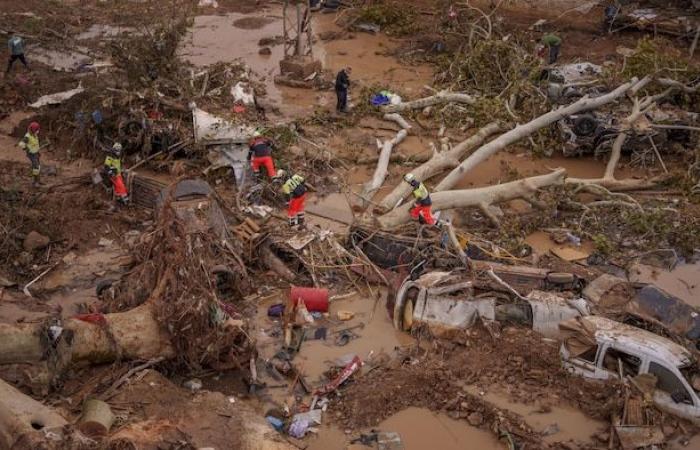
(445, 301)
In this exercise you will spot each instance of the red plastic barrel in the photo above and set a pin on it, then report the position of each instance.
(315, 299)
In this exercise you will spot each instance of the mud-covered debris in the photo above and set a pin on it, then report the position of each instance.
(35, 241)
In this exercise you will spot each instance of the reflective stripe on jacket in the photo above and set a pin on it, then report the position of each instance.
(114, 163)
(422, 195)
(30, 143)
(294, 186)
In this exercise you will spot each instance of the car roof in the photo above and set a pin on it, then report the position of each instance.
(639, 340)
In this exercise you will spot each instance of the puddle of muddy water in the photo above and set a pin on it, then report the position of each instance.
(541, 244)
(332, 212)
(316, 356)
(683, 281)
(571, 423)
(420, 429)
(235, 36)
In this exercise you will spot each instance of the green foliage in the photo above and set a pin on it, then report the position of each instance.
(603, 245)
(654, 57)
(393, 18)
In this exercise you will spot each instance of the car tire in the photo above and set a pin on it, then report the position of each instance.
(585, 125)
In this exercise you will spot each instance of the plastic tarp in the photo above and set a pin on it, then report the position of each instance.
(211, 129)
(57, 98)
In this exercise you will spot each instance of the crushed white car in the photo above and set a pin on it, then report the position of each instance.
(599, 348)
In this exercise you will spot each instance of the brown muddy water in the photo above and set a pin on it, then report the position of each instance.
(561, 423)
(235, 36)
(420, 429)
(316, 356)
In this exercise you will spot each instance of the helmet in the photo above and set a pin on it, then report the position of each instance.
(409, 178)
(34, 127)
(281, 173)
(117, 148)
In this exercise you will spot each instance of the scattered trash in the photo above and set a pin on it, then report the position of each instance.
(193, 385)
(276, 310)
(298, 428)
(315, 299)
(367, 27)
(242, 92)
(345, 315)
(276, 423)
(352, 367)
(55, 332)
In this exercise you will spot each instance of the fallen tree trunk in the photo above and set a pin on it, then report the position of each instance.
(24, 421)
(97, 418)
(439, 162)
(380, 173)
(523, 131)
(134, 334)
(275, 264)
(482, 198)
(20, 343)
(440, 97)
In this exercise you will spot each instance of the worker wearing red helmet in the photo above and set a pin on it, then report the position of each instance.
(260, 154)
(30, 144)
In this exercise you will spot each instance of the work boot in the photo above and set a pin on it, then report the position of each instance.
(300, 221)
(292, 222)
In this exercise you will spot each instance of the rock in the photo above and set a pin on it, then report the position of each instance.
(35, 241)
(551, 429)
(265, 51)
(69, 258)
(475, 419)
(104, 242)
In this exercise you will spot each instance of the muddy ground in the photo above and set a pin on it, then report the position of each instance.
(479, 388)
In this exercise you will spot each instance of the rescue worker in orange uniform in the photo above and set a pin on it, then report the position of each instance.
(113, 169)
(260, 154)
(421, 210)
(295, 189)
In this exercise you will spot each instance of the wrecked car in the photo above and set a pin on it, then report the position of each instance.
(648, 307)
(595, 132)
(446, 301)
(600, 348)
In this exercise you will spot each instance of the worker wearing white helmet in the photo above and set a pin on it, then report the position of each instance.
(421, 210)
(260, 153)
(113, 169)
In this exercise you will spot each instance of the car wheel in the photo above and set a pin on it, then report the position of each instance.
(585, 125)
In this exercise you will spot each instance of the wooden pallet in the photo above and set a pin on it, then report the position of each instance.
(248, 231)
